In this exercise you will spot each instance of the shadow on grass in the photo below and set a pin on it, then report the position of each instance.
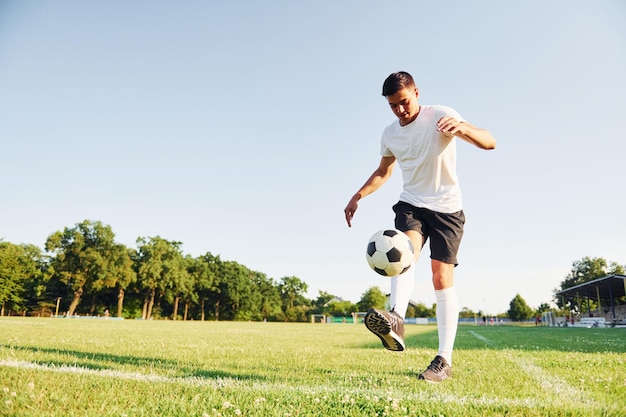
(106, 361)
(518, 338)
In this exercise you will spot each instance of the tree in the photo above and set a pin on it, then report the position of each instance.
(373, 297)
(617, 269)
(291, 290)
(126, 275)
(85, 258)
(341, 308)
(12, 277)
(519, 310)
(420, 310)
(158, 262)
(178, 284)
(238, 299)
(543, 308)
(585, 270)
(270, 297)
(203, 271)
(467, 313)
(321, 302)
(34, 266)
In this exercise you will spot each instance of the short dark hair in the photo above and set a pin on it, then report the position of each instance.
(396, 82)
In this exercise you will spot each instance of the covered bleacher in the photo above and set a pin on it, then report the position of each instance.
(605, 292)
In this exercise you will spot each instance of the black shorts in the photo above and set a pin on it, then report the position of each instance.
(445, 230)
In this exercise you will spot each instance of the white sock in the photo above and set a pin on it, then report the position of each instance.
(401, 291)
(447, 321)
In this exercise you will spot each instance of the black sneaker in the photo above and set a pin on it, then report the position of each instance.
(437, 371)
(388, 326)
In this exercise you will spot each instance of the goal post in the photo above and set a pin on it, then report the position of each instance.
(548, 319)
(358, 317)
(318, 318)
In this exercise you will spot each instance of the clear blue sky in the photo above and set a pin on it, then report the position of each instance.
(243, 128)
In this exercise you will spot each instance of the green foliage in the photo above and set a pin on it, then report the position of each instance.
(85, 272)
(290, 289)
(585, 270)
(86, 258)
(341, 308)
(320, 303)
(519, 310)
(544, 307)
(373, 297)
(270, 302)
(122, 269)
(421, 310)
(156, 280)
(12, 275)
(295, 306)
(467, 313)
(161, 270)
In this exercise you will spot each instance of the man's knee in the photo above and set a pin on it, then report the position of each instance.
(443, 275)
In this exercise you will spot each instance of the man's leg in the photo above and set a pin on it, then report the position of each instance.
(447, 312)
(447, 309)
(401, 290)
(402, 286)
(389, 326)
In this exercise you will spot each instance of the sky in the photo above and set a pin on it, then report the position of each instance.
(243, 128)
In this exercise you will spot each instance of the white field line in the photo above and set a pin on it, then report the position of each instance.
(318, 390)
(548, 382)
(135, 376)
(481, 338)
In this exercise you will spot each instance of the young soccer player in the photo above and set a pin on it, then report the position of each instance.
(422, 142)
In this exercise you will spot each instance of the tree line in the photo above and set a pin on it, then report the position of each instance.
(83, 270)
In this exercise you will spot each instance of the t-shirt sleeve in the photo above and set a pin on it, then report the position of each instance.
(450, 112)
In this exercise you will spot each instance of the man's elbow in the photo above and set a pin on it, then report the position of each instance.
(488, 142)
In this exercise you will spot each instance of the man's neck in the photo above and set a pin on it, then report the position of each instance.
(412, 119)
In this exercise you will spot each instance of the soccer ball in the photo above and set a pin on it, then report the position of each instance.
(390, 252)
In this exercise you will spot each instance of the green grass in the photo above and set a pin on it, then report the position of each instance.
(80, 367)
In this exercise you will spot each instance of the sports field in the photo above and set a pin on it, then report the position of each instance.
(83, 367)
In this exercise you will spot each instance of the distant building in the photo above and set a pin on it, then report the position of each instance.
(334, 300)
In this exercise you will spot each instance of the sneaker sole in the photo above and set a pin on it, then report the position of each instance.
(379, 325)
(432, 381)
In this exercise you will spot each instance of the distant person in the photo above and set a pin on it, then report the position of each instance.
(106, 314)
(422, 142)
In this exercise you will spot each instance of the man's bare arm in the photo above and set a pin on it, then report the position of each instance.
(373, 183)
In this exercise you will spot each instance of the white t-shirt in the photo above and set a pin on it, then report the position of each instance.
(427, 159)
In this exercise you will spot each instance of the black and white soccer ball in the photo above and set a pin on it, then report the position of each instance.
(390, 252)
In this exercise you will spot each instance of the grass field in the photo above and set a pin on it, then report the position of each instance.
(81, 367)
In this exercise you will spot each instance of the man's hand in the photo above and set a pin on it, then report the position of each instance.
(350, 209)
(449, 125)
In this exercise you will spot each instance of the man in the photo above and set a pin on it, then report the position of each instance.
(422, 141)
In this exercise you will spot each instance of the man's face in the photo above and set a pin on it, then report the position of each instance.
(404, 105)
